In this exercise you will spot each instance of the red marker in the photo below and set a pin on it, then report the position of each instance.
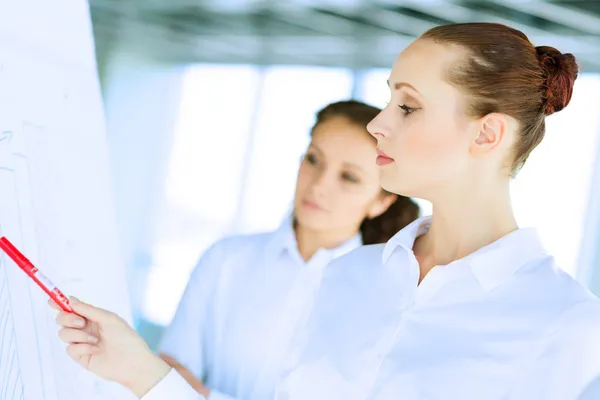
(35, 274)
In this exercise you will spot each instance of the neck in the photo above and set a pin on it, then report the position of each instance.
(464, 223)
(310, 241)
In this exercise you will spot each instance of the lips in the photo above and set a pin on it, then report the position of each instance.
(312, 205)
(382, 154)
(383, 159)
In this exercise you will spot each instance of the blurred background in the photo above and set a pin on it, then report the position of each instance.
(209, 105)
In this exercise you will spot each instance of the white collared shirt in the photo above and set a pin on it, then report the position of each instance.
(244, 302)
(172, 387)
(503, 323)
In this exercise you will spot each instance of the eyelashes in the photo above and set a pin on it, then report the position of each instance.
(406, 109)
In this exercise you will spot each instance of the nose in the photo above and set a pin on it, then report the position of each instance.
(321, 182)
(376, 127)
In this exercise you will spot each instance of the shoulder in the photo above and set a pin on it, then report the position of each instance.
(241, 242)
(238, 246)
(360, 261)
(543, 288)
(580, 325)
(568, 363)
(358, 294)
(354, 271)
(574, 350)
(367, 253)
(231, 250)
(575, 310)
(355, 287)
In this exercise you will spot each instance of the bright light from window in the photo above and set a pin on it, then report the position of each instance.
(204, 177)
(211, 138)
(373, 87)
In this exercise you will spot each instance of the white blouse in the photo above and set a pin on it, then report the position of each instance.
(245, 300)
(503, 323)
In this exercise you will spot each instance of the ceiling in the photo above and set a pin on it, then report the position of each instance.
(353, 33)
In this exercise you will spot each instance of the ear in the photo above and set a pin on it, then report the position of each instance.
(380, 205)
(492, 130)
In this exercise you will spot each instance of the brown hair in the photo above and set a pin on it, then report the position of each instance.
(404, 210)
(503, 72)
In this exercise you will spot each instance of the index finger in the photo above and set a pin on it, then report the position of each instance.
(56, 307)
(53, 305)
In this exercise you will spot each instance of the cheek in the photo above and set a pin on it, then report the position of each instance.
(303, 180)
(351, 208)
(433, 147)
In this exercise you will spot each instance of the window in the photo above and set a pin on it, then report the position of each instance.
(211, 138)
(204, 176)
(373, 88)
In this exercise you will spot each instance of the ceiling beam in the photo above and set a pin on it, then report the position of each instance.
(308, 18)
(558, 13)
(332, 41)
(385, 47)
(394, 21)
(584, 46)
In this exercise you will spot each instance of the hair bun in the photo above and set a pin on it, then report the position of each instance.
(560, 71)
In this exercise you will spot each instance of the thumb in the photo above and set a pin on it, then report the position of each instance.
(90, 312)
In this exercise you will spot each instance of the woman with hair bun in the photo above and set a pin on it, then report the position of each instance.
(461, 305)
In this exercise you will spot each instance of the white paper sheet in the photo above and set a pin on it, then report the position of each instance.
(55, 196)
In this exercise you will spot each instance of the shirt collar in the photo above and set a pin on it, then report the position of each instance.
(492, 264)
(284, 239)
(406, 237)
(495, 263)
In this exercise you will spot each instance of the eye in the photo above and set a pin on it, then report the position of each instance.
(406, 109)
(350, 178)
(311, 159)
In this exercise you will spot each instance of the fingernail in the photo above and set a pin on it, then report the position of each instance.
(80, 323)
(92, 339)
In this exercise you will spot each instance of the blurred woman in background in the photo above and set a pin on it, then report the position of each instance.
(249, 294)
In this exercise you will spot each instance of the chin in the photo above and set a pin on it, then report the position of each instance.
(310, 221)
(389, 181)
(398, 186)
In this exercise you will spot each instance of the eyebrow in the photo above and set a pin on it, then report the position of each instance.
(346, 164)
(353, 166)
(398, 85)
